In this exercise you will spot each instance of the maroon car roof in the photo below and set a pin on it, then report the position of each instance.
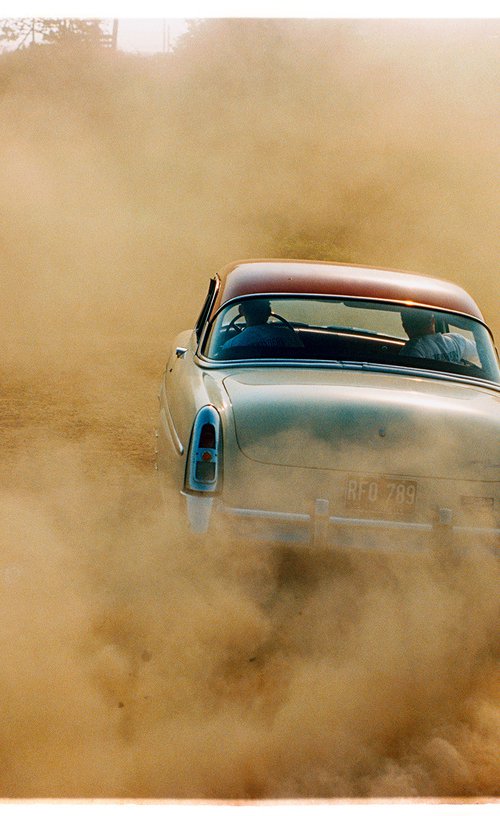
(324, 278)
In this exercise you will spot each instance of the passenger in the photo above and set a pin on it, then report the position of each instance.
(258, 332)
(425, 342)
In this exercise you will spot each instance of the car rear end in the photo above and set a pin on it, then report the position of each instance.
(353, 459)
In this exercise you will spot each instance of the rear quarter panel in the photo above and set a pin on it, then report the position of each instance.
(185, 388)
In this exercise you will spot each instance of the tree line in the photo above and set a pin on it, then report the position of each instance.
(23, 32)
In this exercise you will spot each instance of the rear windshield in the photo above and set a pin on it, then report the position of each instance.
(332, 329)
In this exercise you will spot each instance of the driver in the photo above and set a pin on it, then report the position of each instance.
(258, 332)
(424, 341)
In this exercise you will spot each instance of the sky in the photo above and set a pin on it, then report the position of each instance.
(253, 8)
(143, 29)
(148, 35)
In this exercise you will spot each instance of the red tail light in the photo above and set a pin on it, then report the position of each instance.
(203, 468)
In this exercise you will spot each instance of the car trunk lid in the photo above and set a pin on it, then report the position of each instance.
(365, 422)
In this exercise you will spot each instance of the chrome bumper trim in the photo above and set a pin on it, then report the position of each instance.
(478, 530)
(319, 530)
(385, 524)
(269, 515)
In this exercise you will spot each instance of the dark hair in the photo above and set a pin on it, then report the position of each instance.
(416, 319)
(255, 310)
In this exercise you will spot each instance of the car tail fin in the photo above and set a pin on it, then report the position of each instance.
(204, 462)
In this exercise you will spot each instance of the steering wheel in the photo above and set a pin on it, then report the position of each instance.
(233, 324)
(282, 320)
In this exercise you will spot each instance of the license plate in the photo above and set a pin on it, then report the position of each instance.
(381, 495)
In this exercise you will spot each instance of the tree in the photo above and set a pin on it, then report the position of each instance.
(23, 32)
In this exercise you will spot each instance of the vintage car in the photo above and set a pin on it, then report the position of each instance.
(327, 405)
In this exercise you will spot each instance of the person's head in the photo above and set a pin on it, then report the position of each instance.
(418, 322)
(255, 312)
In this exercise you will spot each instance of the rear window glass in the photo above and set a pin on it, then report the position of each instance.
(342, 330)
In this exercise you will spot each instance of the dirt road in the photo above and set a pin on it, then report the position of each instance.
(135, 663)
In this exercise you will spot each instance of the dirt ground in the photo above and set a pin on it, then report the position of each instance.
(137, 663)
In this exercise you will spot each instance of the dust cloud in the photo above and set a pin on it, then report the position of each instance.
(137, 662)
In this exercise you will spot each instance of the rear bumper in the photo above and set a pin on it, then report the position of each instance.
(324, 531)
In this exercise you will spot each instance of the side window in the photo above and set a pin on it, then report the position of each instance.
(222, 330)
(471, 352)
(212, 288)
(467, 333)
